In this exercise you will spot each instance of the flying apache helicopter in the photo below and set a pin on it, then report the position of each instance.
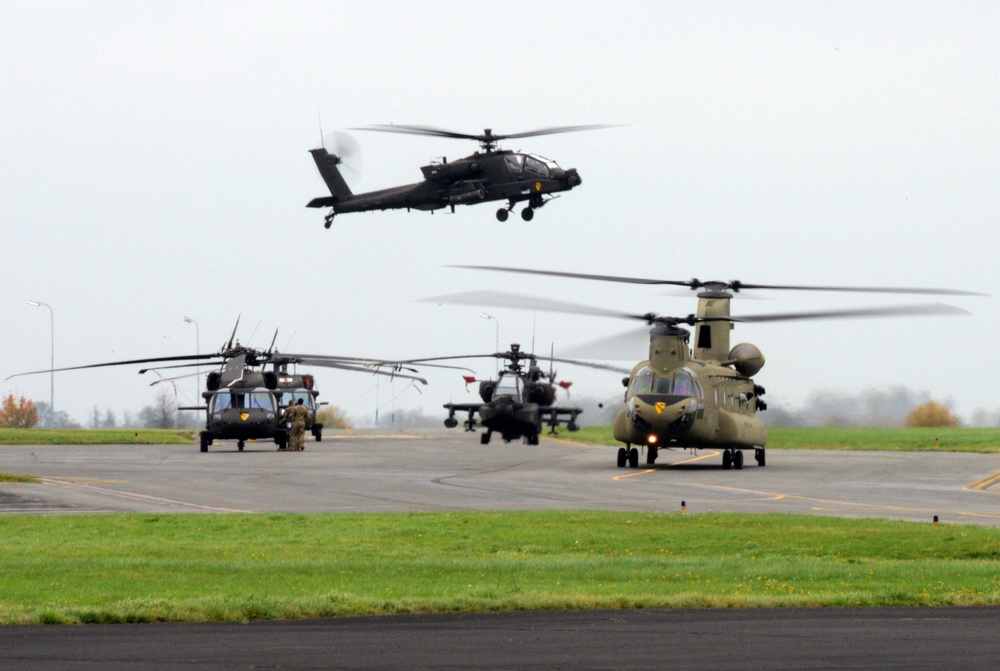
(519, 402)
(702, 396)
(487, 175)
(243, 400)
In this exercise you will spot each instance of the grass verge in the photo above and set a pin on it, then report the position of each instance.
(11, 477)
(96, 436)
(985, 441)
(143, 568)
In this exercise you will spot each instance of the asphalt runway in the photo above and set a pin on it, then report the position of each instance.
(450, 470)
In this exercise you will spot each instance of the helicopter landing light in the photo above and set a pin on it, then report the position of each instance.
(652, 438)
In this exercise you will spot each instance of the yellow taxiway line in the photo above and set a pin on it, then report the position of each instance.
(985, 483)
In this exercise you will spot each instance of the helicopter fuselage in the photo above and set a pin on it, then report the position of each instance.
(515, 406)
(481, 177)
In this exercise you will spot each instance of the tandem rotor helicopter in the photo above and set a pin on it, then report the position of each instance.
(700, 396)
(519, 402)
(487, 175)
(243, 400)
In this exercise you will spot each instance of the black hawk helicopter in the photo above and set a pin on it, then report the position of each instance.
(487, 175)
(519, 402)
(243, 400)
(702, 396)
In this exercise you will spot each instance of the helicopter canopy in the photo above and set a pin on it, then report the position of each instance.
(683, 382)
(533, 164)
(225, 399)
(508, 385)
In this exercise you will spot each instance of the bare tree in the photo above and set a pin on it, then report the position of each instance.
(162, 414)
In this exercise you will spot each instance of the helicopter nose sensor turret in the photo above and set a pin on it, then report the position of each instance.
(573, 177)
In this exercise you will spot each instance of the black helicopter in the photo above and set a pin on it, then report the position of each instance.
(243, 400)
(519, 402)
(487, 175)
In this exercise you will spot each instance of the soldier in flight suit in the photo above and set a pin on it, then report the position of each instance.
(298, 418)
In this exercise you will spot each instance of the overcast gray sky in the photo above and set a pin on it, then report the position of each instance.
(154, 166)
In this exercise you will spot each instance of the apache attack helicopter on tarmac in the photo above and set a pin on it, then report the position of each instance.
(702, 396)
(487, 175)
(519, 402)
(243, 400)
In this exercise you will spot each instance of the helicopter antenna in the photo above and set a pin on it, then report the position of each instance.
(319, 117)
(534, 320)
(271, 348)
(229, 345)
(254, 331)
(290, 340)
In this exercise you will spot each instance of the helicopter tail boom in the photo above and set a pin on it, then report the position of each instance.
(327, 165)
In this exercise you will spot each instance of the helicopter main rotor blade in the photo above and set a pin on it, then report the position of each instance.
(190, 357)
(142, 371)
(488, 136)
(921, 309)
(518, 301)
(627, 346)
(588, 364)
(733, 285)
(372, 371)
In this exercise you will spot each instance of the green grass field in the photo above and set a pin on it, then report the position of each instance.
(141, 568)
(986, 441)
(96, 436)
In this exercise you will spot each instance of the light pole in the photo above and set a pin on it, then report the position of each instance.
(197, 346)
(497, 322)
(52, 359)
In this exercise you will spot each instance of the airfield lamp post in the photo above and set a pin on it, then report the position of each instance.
(197, 347)
(497, 322)
(52, 360)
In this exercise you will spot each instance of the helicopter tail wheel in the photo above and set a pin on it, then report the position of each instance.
(622, 457)
(502, 214)
(738, 459)
(759, 456)
(727, 458)
(633, 457)
(528, 213)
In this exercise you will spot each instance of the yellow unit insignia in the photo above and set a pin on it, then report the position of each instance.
(660, 406)
(538, 186)
(244, 416)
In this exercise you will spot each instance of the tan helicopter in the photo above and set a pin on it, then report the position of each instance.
(700, 396)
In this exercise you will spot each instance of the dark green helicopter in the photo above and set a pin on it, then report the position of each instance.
(489, 174)
(520, 401)
(243, 399)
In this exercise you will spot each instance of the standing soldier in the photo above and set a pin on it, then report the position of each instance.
(298, 418)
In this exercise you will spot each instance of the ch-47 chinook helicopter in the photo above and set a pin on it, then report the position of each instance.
(243, 400)
(487, 175)
(519, 402)
(702, 396)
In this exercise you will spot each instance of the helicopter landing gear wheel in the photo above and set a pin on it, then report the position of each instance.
(633, 458)
(651, 455)
(502, 214)
(328, 220)
(484, 439)
(759, 456)
(528, 213)
(532, 440)
(622, 457)
(738, 459)
(206, 440)
(727, 459)
(240, 444)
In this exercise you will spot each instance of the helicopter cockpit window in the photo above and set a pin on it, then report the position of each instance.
(222, 402)
(515, 162)
(662, 386)
(508, 385)
(293, 397)
(643, 383)
(261, 400)
(683, 384)
(536, 166)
